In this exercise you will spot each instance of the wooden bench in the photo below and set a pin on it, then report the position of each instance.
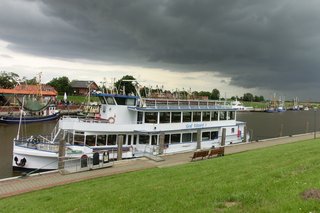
(217, 151)
(200, 154)
(208, 153)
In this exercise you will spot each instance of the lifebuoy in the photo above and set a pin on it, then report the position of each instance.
(111, 120)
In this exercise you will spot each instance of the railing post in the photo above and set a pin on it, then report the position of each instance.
(223, 138)
(161, 143)
(245, 134)
(62, 153)
(199, 139)
(120, 143)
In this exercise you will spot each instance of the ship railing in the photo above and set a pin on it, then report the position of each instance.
(184, 104)
(89, 161)
(36, 143)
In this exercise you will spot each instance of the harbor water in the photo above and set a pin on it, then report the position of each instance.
(260, 126)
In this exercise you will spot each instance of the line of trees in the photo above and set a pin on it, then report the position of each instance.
(9, 80)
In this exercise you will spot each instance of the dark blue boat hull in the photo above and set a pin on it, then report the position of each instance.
(16, 120)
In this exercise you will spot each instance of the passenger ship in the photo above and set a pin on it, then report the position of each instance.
(148, 126)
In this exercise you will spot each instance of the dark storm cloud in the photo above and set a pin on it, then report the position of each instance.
(272, 44)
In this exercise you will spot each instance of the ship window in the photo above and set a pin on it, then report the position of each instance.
(90, 140)
(223, 115)
(143, 139)
(69, 137)
(154, 139)
(130, 102)
(78, 139)
(196, 116)
(232, 115)
(214, 116)
(205, 116)
(120, 101)
(110, 101)
(151, 117)
(175, 117)
(186, 117)
(112, 140)
(205, 136)
(164, 117)
(124, 139)
(175, 138)
(101, 140)
(194, 136)
(140, 117)
(214, 135)
(166, 139)
(102, 99)
(232, 130)
(186, 137)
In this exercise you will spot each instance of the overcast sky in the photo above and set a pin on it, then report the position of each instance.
(257, 46)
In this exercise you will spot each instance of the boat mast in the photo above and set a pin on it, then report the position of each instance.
(20, 120)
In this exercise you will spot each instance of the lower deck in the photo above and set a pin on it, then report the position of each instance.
(173, 141)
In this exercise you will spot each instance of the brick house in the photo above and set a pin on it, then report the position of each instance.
(82, 87)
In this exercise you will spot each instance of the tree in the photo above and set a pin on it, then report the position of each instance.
(205, 94)
(8, 80)
(61, 84)
(247, 97)
(126, 83)
(32, 81)
(215, 94)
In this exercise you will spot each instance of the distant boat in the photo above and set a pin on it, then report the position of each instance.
(276, 107)
(237, 105)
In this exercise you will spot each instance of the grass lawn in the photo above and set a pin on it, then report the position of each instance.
(265, 180)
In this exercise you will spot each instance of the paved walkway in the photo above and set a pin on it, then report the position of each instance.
(19, 185)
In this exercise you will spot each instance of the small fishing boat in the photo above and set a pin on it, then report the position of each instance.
(31, 117)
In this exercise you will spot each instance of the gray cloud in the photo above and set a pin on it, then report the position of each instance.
(272, 44)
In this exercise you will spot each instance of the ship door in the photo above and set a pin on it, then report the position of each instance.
(129, 139)
(154, 140)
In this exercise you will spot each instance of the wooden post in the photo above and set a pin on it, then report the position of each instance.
(245, 134)
(281, 130)
(307, 126)
(223, 138)
(161, 143)
(120, 143)
(62, 152)
(199, 139)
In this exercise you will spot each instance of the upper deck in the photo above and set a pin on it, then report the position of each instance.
(151, 104)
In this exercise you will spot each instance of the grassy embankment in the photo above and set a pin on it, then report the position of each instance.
(265, 180)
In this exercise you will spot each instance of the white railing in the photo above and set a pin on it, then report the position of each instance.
(176, 103)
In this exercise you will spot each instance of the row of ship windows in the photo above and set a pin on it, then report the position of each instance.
(178, 117)
(111, 140)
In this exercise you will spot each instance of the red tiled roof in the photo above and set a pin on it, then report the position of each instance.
(46, 90)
